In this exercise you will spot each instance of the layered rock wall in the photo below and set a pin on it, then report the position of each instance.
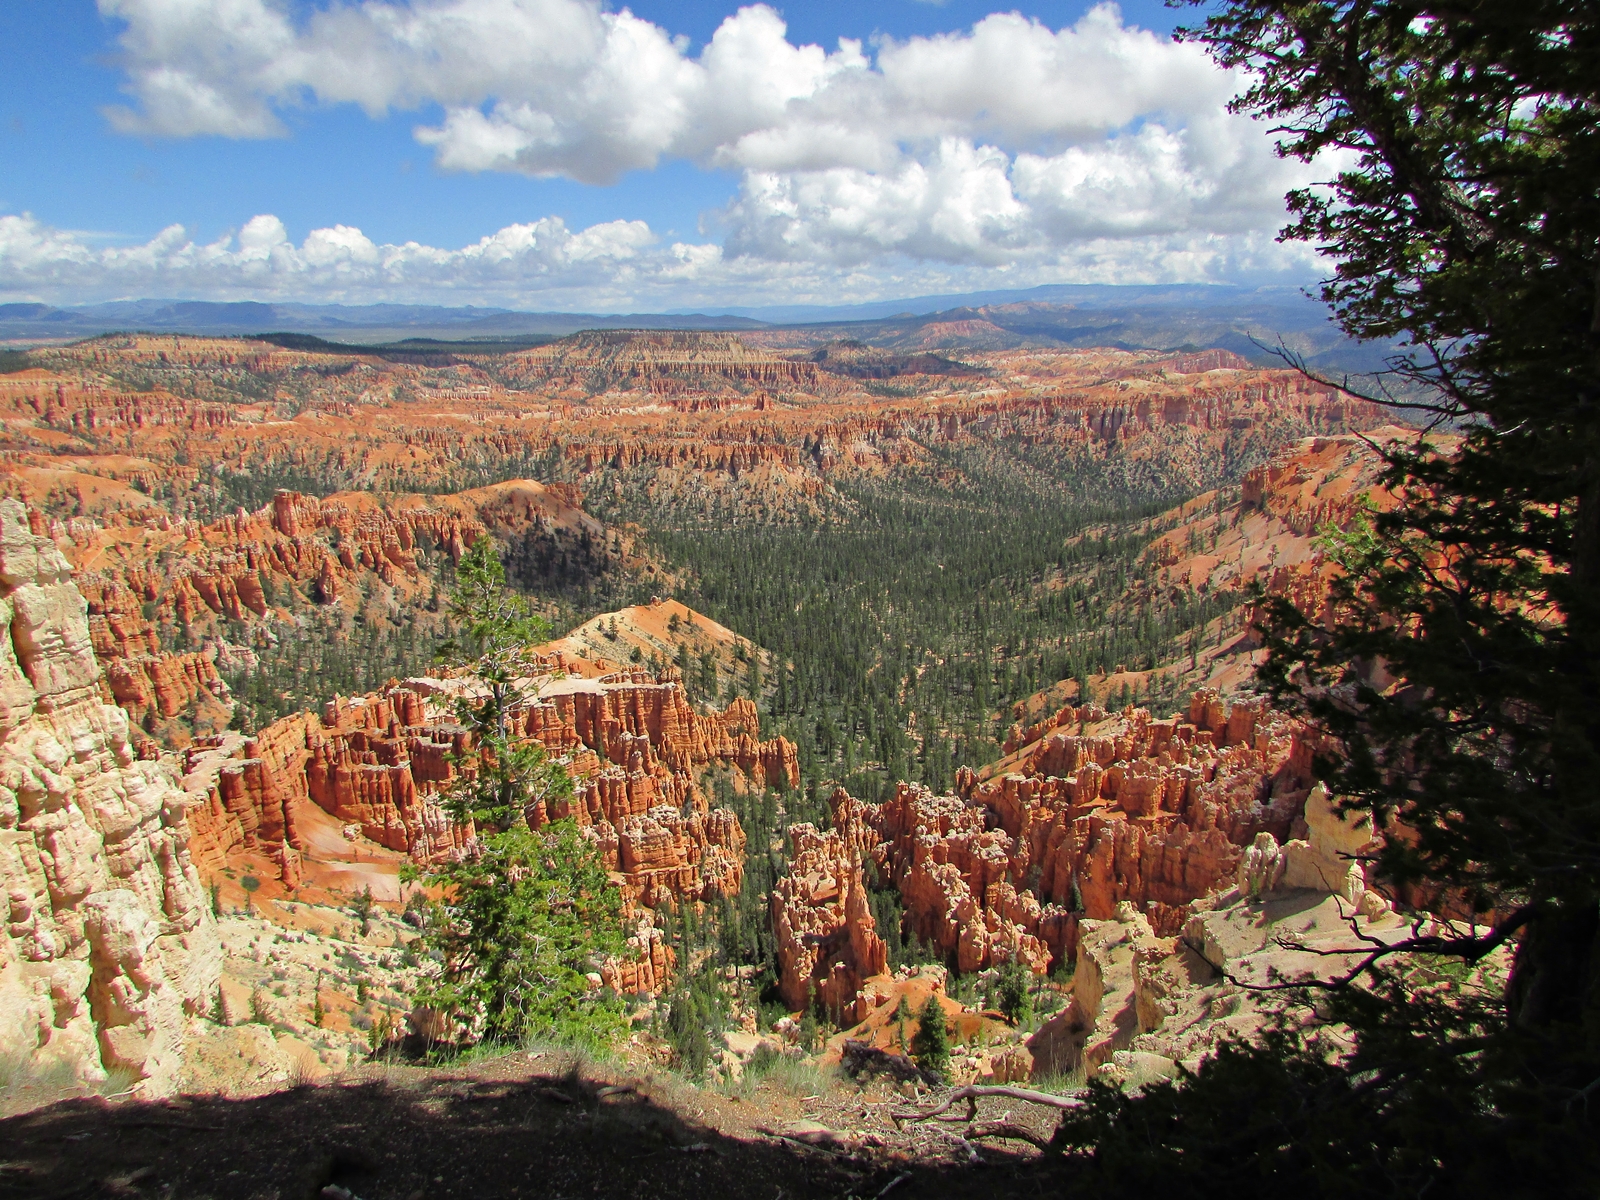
(658, 361)
(631, 742)
(144, 572)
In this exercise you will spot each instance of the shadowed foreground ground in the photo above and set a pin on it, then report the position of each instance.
(514, 1127)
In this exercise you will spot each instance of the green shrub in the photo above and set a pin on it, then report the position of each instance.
(1012, 996)
(530, 916)
(527, 921)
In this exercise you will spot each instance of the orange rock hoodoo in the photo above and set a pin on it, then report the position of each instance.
(323, 546)
(827, 943)
(1271, 535)
(138, 572)
(632, 743)
(1093, 810)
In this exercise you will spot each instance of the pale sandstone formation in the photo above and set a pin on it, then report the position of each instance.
(279, 964)
(109, 946)
(1142, 1004)
(1327, 859)
(1102, 1016)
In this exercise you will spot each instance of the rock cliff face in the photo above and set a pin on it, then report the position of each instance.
(657, 361)
(692, 411)
(109, 947)
(1093, 811)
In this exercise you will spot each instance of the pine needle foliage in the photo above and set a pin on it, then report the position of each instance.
(931, 1043)
(528, 917)
(526, 921)
(1458, 679)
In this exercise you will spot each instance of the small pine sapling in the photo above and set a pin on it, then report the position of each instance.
(931, 1045)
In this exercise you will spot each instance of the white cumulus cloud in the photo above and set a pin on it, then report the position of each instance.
(615, 266)
(1009, 143)
(1003, 155)
(262, 261)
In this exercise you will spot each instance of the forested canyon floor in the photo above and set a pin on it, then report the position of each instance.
(881, 679)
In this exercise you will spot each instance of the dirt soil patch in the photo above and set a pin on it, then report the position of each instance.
(524, 1125)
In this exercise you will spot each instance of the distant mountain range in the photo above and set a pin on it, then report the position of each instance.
(365, 323)
(1247, 321)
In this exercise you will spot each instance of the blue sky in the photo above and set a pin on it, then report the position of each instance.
(616, 159)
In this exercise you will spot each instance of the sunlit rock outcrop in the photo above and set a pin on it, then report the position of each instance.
(109, 947)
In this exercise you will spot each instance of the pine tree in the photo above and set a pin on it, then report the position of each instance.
(1464, 220)
(1012, 997)
(931, 1043)
(528, 916)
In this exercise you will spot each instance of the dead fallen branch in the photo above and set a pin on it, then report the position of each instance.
(972, 1093)
(1006, 1129)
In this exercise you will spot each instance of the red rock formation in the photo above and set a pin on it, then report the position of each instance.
(827, 944)
(256, 567)
(395, 424)
(661, 362)
(1093, 810)
(646, 967)
(1270, 535)
(632, 744)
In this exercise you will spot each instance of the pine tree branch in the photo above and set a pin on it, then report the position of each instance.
(1470, 949)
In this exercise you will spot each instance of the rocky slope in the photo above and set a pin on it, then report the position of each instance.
(658, 362)
(716, 661)
(1270, 533)
(155, 584)
(1171, 867)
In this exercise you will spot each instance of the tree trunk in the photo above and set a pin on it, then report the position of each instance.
(1555, 979)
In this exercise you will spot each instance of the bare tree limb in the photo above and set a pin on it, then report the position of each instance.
(1468, 948)
(1006, 1129)
(972, 1093)
(1384, 398)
